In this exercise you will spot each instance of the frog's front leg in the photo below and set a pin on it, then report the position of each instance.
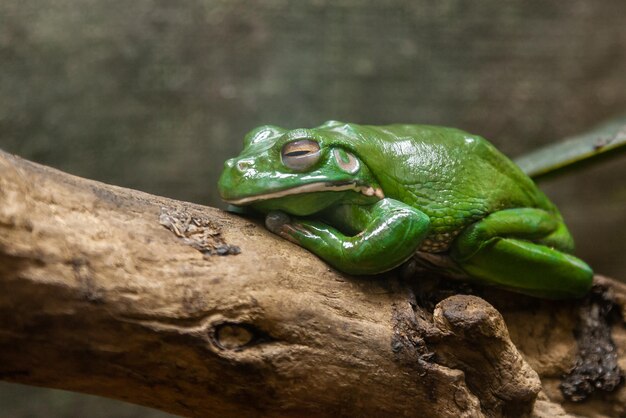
(517, 249)
(389, 233)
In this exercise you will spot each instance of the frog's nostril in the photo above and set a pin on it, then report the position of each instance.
(244, 165)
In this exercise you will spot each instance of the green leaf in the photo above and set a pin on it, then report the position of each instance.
(608, 139)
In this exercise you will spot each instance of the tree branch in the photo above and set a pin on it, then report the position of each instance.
(202, 313)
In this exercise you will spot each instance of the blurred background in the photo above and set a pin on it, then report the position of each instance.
(156, 94)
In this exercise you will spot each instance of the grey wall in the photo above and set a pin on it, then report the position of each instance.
(155, 94)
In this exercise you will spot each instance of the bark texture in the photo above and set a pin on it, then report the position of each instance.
(202, 313)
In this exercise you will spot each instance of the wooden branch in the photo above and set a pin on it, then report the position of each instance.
(202, 313)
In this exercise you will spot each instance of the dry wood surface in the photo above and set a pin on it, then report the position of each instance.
(199, 312)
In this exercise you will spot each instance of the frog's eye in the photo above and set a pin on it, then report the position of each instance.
(300, 155)
(346, 161)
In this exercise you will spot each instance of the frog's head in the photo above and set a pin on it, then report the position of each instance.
(299, 172)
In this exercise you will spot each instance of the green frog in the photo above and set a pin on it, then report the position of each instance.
(368, 198)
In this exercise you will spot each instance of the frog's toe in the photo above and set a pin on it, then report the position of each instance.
(284, 226)
(276, 220)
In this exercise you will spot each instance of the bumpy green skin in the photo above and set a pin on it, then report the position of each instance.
(445, 191)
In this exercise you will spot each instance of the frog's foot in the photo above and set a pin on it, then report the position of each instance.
(514, 249)
(392, 233)
(280, 224)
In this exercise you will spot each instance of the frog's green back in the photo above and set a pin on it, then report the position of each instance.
(454, 177)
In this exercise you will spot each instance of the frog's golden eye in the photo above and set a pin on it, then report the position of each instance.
(300, 155)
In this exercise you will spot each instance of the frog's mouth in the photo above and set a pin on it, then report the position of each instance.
(310, 188)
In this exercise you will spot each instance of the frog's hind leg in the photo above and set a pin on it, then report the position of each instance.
(522, 250)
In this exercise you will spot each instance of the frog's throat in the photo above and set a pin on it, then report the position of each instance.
(310, 188)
